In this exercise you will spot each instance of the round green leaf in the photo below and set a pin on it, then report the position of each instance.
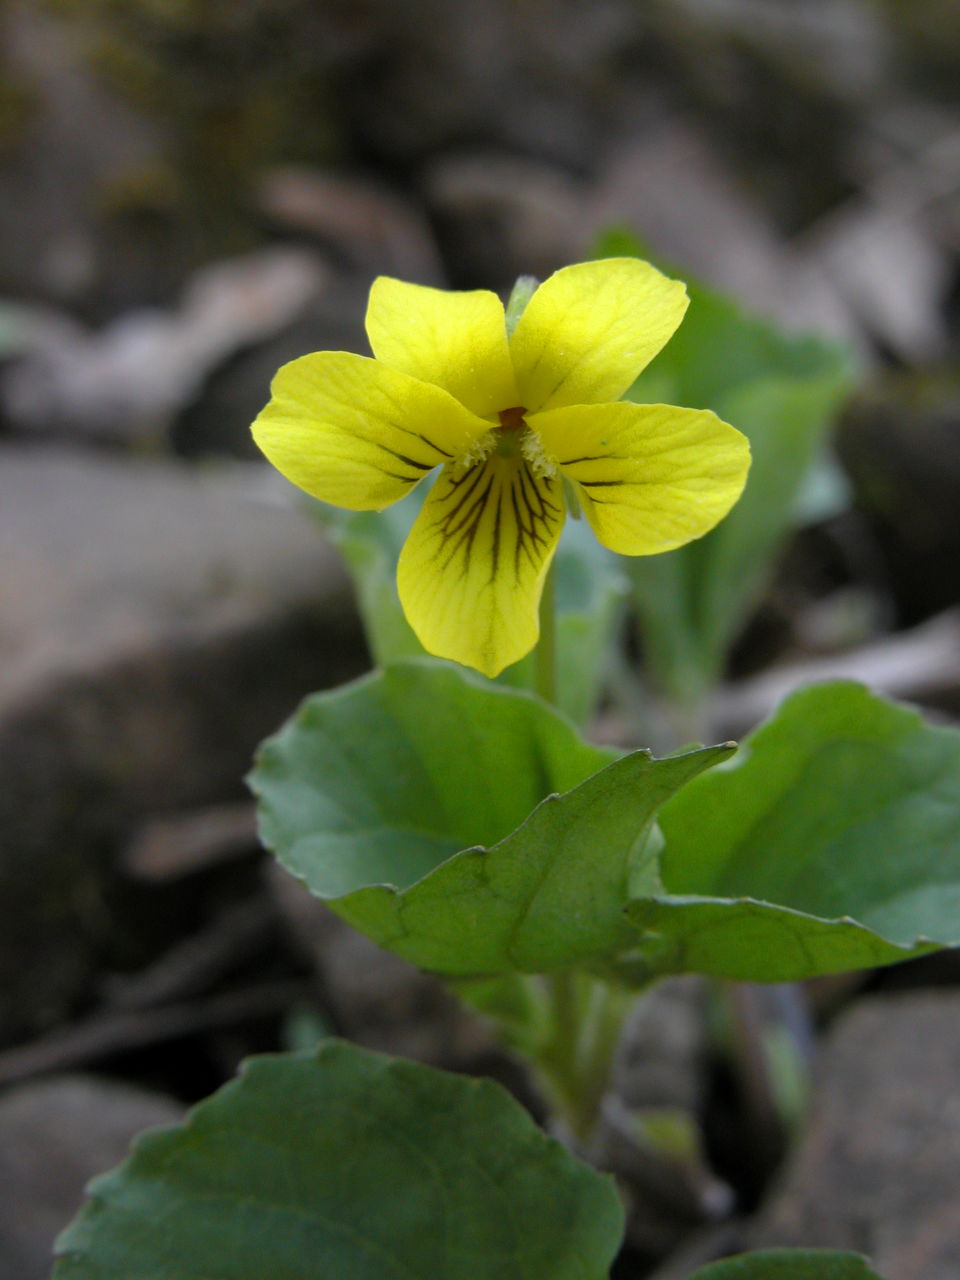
(832, 842)
(790, 1264)
(423, 805)
(344, 1163)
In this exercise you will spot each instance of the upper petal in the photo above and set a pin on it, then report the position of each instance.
(456, 340)
(650, 477)
(589, 329)
(471, 573)
(357, 434)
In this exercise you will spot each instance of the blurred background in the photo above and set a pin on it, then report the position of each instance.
(193, 192)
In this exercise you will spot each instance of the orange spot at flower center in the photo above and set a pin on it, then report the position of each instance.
(512, 419)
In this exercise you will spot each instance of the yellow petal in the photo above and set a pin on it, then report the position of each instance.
(456, 340)
(588, 331)
(650, 477)
(357, 434)
(472, 571)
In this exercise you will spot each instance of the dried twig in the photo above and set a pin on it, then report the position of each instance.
(193, 965)
(108, 1033)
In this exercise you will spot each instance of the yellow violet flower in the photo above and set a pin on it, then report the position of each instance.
(506, 418)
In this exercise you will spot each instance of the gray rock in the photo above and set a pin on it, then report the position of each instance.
(155, 623)
(75, 143)
(899, 444)
(128, 381)
(878, 1169)
(661, 1059)
(674, 187)
(839, 47)
(531, 78)
(885, 261)
(54, 1137)
(218, 420)
(650, 1127)
(372, 228)
(927, 35)
(506, 215)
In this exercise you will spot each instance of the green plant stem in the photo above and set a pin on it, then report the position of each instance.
(545, 658)
(574, 1061)
(582, 1015)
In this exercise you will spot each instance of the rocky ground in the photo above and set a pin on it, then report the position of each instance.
(170, 233)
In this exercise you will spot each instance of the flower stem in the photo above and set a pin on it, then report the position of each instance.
(545, 657)
(574, 1063)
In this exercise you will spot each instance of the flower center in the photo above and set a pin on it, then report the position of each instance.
(511, 439)
(509, 434)
(512, 419)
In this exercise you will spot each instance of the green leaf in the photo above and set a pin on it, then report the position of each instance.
(344, 1163)
(790, 1264)
(831, 843)
(421, 804)
(782, 392)
(590, 590)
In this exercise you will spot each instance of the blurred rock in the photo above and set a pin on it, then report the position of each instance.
(877, 1169)
(889, 269)
(900, 445)
(54, 1137)
(155, 623)
(661, 1062)
(650, 1128)
(127, 381)
(838, 45)
(501, 216)
(532, 78)
(779, 88)
(217, 420)
(910, 158)
(74, 139)
(870, 272)
(148, 123)
(672, 186)
(373, 229)
(927, 36)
